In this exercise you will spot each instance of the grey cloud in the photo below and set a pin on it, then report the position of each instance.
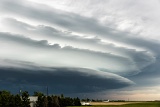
(82, 25)
(39, 52)
(71, 22)
(74, 22)
(62, 80)
(150, 76)
(140, 58)
(23, 40)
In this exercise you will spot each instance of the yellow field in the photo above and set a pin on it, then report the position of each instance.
(112, 103)
(122, 104)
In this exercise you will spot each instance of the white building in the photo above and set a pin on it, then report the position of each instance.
(33, 100)
(106, 101)
(85, 103)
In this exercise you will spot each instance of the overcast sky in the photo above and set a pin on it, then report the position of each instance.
(107, 49)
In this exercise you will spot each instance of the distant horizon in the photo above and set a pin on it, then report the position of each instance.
(81, 98)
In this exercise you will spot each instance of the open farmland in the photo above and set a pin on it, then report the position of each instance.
(124, 104)
(112, 103)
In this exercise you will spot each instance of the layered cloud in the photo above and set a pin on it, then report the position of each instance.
(140, 17)
(64, 80)
(62, 43)
(40, 51)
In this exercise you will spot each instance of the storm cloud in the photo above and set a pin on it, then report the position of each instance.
(74, 47)
(66, 80)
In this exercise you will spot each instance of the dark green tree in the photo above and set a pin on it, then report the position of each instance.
(56, 102)
(40, 101)
(50, 101)
(5, 98)
(45, 101)
(38, 94)
(18, 101)
(77, 102)
(25, 99)
(12, 101)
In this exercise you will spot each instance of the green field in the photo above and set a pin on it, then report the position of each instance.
(145, 104)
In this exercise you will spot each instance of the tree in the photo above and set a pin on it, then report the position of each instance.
(50, 101)
(38, 94)
(39, 102)
(55, 101)
(45, 101)
(25, 99)
(18, 101)
(11, 101)
(77, 102)
(4, 98)
(62, 96)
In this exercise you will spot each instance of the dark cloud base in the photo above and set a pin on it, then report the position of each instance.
(59, 80)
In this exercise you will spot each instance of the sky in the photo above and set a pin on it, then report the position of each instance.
(106, 49)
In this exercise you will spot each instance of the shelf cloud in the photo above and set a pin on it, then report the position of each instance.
(60, 43)
(66, 80)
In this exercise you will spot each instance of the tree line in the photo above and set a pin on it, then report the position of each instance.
(22, 100)
(55, 101)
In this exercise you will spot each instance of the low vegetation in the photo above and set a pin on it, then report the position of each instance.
(22, 100)
(140, 104)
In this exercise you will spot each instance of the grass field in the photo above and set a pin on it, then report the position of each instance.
(129, 104)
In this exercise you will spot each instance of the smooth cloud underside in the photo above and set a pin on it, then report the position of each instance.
(72, 52)
(66, 80)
